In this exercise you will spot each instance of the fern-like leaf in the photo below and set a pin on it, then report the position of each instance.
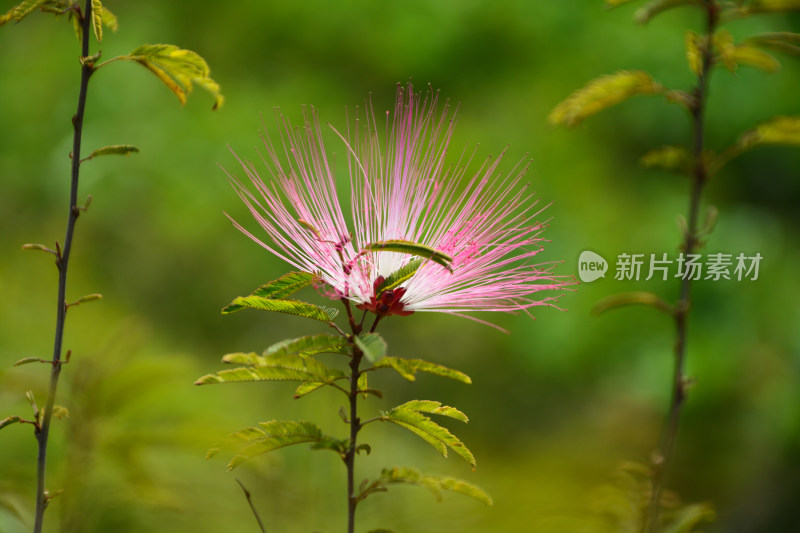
(407, 368)
(268, 436)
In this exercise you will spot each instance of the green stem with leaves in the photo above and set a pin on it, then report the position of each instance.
(691, 242)
(62, 262)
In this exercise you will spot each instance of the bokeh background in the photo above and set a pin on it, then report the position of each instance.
(556, 406)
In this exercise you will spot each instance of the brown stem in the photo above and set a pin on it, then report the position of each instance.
(666, 453)
(63, 262)
(355, 427)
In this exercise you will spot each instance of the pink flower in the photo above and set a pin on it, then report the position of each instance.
(482, 220)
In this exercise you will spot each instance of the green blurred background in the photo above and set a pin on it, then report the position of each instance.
(556, 406)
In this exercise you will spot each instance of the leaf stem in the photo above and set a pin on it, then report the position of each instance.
(691, 242)
(62, 263)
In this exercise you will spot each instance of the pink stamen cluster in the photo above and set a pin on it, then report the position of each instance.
(401, 189)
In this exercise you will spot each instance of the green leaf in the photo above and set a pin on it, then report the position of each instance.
(399, 276)
(654, 7)
(177, 68)
(307, 388)
(786, 42)
(363, 386)
(7, 421)
(602, 93)
(280, 288)
(759, 6)
(311, 345)
(60, 412)
(412, 476)
(726, 48)
(776, 131)
(254, 441)
(411, 248)
(20, 11)
(26, 360)
(733, 55)
(632, 298)
(434, 407)
(685, 518)
(275, 367)
(409, 415)
(97, 19)
(752, 56)
(672, 158)
(115, 149)
(302, 346)
(290, 307)
(694, 54)
(409, 367)
(372, 345)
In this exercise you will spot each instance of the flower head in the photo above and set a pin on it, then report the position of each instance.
(424, 236)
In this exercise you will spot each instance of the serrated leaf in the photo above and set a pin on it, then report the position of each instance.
(310, 345)
(411, 248)
(97, 19)
(290, 307)
(20, 11)
(268, 436)
(276, 367)
(672, 158)
(409, 415)
(602, 93)
(115, 149)
(654, 7)
(372, 345)
(177, 68)
(280, 288)
(307, 388)
(363, 385)
(694, 54)
(7, 421)
(302, 346)
(434, 407)
(407, 368)
(398, 277)
(412, 476)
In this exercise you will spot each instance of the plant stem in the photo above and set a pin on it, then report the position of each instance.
(691, 242)
(355, 427)
(252, 507)
(62, 262)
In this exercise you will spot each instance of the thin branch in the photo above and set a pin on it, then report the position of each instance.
(252, 507)
(666, 453)
(63, 263)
